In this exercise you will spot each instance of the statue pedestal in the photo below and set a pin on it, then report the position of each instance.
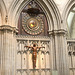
(55, 72)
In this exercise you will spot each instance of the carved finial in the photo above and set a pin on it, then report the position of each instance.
(32, 4)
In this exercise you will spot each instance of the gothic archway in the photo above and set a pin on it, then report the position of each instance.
(49, 8)
(70, 4)
(69, 20)
(56, 30)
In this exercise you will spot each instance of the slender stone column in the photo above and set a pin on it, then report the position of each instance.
(59, 53)
(7, 50)
(0, 53)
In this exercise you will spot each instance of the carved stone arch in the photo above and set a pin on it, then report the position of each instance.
(49, 7)
(3, 11)
(70, 4)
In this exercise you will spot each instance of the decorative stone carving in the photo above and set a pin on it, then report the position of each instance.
(7, 27)
(41, 55)
(60, 31)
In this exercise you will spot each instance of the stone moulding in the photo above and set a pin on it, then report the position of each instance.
(71, 40)
(23, 37)
(7, 27)
(61, 31)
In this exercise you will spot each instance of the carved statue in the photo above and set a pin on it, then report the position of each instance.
(34, 54)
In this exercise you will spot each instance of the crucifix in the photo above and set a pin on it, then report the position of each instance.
(34, 54)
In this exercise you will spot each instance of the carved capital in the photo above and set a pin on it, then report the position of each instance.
(9, 28)
(58, 32)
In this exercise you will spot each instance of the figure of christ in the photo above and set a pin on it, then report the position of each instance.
(34, 54)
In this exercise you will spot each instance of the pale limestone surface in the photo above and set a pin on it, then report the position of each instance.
(8, 3)
(61, 4)
(53, 60)
(0, 20)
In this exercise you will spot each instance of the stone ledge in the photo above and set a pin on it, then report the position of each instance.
(71, 39)
(23, 37)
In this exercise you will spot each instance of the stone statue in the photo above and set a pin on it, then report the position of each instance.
(34, 54)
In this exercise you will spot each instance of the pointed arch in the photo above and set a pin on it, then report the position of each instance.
(70, 4)
(72, 28)
(49, 7)
(3, 11)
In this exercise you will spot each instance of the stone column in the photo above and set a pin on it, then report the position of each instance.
(59, 53)
(7, 50)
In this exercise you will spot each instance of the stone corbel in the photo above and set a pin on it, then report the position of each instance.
(9, 28)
